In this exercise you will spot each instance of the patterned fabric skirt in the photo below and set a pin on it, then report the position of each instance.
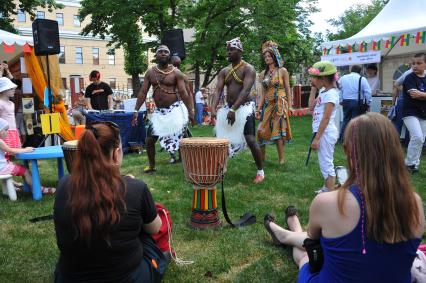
(272, 127)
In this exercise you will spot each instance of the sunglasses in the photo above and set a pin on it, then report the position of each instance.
(110, 124)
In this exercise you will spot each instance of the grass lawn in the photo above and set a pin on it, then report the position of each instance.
(28, 251)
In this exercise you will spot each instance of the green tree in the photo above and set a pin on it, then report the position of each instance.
(355, 19)
(254, 21)
(125, 21)
(9, 8)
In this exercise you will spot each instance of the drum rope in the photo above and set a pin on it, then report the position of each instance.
(174, 256)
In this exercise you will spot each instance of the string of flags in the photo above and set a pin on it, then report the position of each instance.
(11, 48)
(376, 45)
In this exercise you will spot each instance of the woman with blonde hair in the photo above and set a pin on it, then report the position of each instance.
(370, 228)
(274, 103)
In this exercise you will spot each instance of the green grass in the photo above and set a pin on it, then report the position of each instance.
(28, 252)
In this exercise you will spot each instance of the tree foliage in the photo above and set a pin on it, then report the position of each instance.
(125, 21)
(253, 21)
(355, 19)
(9, 9)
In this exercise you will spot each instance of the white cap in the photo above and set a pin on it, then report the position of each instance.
(6, 84)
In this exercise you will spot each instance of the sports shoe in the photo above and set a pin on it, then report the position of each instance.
(412, 168)
(148, 169)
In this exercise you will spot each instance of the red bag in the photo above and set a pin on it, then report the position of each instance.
(162, 239)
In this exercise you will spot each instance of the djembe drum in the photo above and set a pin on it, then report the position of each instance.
(204, 162)
(69, 149)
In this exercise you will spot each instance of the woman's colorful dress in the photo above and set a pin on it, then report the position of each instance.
(273, 127)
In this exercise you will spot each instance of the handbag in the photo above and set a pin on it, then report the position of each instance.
(315, 254)
(362, 104)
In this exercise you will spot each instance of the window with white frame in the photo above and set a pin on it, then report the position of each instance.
(79, 55)
(76, 21)
(61, 55)
(60, 19)
(21, 16)
(95, 52)
(40, 14)
(111, 56)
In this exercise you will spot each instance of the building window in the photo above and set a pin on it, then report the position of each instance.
(76, 21)
(111, 56)
(79, 55)
(129, 83)
(61, 55)
(95, 52)
(21, 16)
(60, 19)
(64, 83)
(40, 15)
(112, 83)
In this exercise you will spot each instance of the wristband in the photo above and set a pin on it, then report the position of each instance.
(135, 111)
(232, 110)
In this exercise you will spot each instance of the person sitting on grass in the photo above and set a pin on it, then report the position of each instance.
(102, 220)
(369, 228)
(10, 168)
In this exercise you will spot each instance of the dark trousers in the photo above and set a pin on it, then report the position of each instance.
(398, 117)
(350, 111)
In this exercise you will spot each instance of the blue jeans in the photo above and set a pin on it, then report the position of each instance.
(350, 111)
(199, 108)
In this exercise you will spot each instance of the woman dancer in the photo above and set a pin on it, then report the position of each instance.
(275, 101)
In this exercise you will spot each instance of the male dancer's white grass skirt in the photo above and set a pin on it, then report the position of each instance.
(169, 125)
(234, 133)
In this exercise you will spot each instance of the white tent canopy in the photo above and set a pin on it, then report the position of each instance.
(15, 40)
(398, 17)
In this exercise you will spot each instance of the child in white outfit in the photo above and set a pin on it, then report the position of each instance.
(323, 108)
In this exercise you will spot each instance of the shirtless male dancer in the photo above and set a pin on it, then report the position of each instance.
(236, 120)
(173, 106)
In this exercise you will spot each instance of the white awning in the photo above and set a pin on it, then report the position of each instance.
(398, 17)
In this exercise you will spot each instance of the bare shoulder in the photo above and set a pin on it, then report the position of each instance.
(224, 71)
(249, 67)
(283, 70)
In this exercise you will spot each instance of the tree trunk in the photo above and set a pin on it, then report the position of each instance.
(197, 77)
(135, 85)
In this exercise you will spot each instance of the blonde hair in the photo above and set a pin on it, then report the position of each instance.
(376, 166)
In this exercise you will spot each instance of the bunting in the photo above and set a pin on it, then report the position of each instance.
(338, 49)
(326, 51)
(405, 39)
(420, 37)
(377, 45)
(363, 47)
(390, 43)
(8, 48)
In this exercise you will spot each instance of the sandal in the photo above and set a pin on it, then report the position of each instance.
(289, 211)
(48, 190)
(148, 169)
(266, 222)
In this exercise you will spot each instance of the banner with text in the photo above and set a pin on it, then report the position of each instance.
(356, 58)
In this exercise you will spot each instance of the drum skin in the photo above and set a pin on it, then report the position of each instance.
(204, 159)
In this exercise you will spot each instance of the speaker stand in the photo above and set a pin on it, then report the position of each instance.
(50, 99)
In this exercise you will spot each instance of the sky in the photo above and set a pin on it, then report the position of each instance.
(331, 9)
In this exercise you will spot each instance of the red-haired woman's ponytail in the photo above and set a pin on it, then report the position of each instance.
(97, 190)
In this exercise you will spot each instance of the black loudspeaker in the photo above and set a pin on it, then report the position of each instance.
(174, 40)
(46, 37)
